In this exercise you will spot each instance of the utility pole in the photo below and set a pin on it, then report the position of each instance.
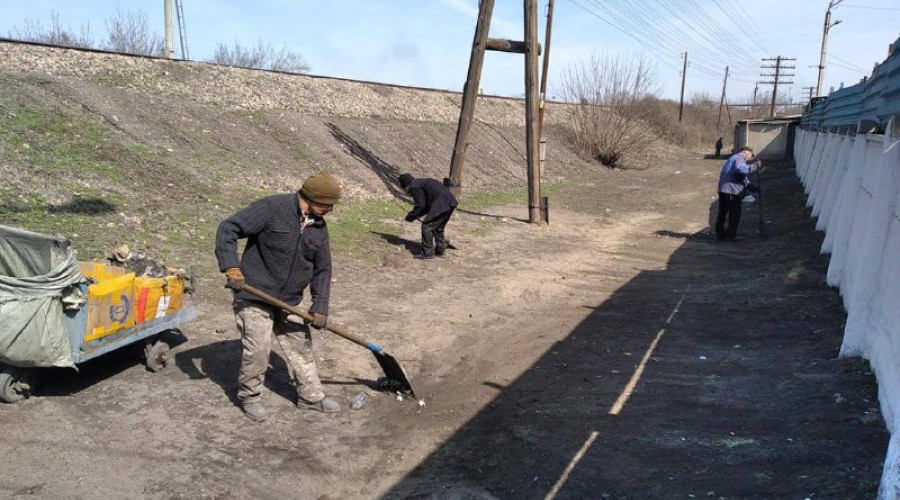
(532, 138)
(467, 109)
(544, 68)
(683, 78)
(777, 77)
(828, 24)
(167, 9)
(722, 99)
(755, 91)
(810, 93)
(531, 49)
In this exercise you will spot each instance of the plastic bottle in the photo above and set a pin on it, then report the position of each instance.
(358, 400)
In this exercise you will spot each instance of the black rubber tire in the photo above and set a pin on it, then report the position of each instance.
(158, 356)
(16, 384)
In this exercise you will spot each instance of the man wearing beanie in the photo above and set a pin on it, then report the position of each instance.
(433, 200)
(287, 249)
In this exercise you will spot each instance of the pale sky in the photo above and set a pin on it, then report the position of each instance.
(427, 43)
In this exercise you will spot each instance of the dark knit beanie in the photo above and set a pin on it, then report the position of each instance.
(405, 180)
(321, 188)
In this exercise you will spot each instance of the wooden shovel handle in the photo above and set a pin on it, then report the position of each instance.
(332, 327)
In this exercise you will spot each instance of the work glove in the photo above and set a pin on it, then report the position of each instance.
(410, 217)
(319, 321)
(235, 278)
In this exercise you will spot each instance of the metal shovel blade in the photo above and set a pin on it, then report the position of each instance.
(394, 371)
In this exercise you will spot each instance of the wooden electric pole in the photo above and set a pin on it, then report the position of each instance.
(722, 99)
(531, 116)
(810, 93)
(544, 68)
(470, 92)
(683, 78)
(777, 77)
(532, 49)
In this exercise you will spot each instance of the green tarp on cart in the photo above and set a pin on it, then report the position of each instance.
(39, 277)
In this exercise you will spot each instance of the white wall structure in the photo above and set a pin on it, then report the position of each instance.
(853, 186)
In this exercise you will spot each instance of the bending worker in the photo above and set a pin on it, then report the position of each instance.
(733, 187)
(287, 249)
(433, 200)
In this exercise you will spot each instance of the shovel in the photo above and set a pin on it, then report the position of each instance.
(392, 369)
(763, 228)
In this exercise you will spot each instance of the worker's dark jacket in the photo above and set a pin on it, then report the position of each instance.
(281, 257)
(431, 198)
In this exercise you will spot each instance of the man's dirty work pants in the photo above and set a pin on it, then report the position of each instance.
(259, 324)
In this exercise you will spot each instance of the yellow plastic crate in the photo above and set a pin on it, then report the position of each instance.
(157, 297)
(110, 304)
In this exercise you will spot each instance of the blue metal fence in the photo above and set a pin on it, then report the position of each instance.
(874, 100)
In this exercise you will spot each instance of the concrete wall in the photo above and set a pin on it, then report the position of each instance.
(853, 187)
(769, 139)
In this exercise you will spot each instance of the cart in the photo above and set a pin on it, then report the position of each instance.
(52, 316)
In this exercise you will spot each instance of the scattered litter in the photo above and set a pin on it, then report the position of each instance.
(736, 346)
(422, 403)
(385, 384)
(703, 358)
(359, 400)
(399, 396)
(677, 172)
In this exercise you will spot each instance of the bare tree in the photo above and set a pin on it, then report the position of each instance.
(607, 116)
(261, 56)
(55, 34)
(129, 32)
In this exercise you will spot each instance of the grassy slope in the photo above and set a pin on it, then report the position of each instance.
(102, 167)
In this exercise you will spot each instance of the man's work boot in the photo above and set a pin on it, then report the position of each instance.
(255, 411)
(324, 405)
(423, 256)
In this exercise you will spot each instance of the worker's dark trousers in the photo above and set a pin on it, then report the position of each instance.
(730, 208)
(433, 241)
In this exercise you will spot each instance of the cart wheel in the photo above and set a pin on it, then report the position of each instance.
(16, 384)
(157, 356)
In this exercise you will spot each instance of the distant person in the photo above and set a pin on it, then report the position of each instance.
(719, 148)
(734, 185)
(435, 201)
(287, 250)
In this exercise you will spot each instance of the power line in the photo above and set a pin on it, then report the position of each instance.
(871, 8)
(655, 22)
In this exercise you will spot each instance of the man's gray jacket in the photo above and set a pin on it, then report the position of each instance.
(282, 256)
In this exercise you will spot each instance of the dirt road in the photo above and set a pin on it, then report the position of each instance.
(620, 352)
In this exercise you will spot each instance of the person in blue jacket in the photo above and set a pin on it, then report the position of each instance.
(733, 187)
(437, 203)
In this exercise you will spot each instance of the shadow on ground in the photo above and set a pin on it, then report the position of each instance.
(65, 382)
(220, 361)
(386, 172)
(492, 216)
(742, 397)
